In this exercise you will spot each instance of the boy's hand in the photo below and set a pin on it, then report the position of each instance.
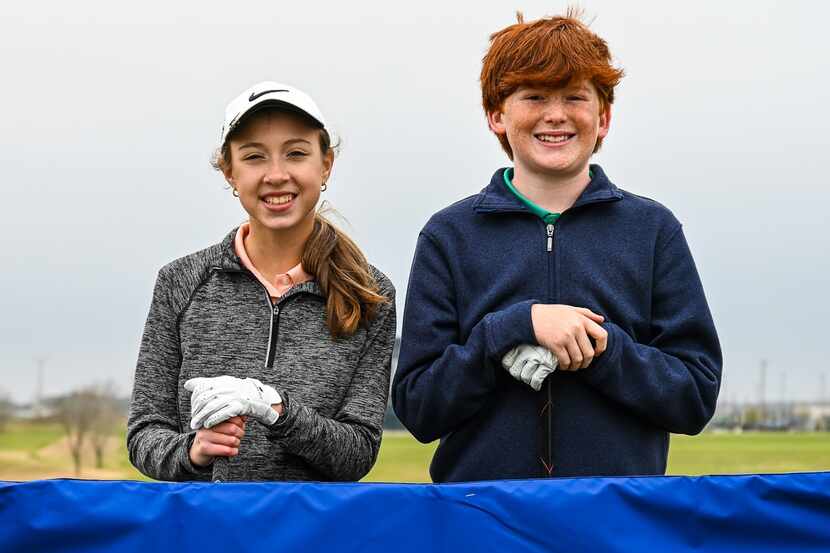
(567, 331)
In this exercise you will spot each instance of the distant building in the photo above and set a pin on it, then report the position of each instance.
(816, 416)
(772, 417)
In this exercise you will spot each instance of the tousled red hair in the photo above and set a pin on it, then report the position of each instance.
(551, 52)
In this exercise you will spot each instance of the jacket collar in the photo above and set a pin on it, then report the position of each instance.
(497, 198)
(229, 261)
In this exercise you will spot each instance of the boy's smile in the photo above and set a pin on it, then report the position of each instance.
(552, 131)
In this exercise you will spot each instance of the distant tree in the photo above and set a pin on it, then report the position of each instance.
(75, 416)
(88, 416)
(5, 410)
(105, 422)
(752, 417)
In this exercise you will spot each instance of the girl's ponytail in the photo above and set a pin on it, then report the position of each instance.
(343, 274)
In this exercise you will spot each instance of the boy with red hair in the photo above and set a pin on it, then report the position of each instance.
(551, 265)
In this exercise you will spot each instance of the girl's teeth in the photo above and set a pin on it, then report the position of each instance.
(278, 200)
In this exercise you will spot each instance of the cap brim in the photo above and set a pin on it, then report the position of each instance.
(274, 104)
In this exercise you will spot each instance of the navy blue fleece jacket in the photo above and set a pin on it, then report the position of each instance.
(479, 266)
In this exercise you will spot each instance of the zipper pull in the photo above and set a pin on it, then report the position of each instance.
(550, 237)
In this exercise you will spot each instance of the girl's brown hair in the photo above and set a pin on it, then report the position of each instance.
(550, 52)
(341, 269)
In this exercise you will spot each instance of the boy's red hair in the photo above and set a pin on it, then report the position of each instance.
(550, 52)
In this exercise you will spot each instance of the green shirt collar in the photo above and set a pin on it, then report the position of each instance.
(547, 216)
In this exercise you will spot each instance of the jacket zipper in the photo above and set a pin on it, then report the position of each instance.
(547, 425)
(274, 324)
(221, 467)
(550, 236)
(273, 331)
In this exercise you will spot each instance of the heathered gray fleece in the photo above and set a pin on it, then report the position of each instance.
(210, 316)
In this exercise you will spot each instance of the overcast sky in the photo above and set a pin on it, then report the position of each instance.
(111, 111)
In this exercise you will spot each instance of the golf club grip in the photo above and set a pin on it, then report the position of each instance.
(221, 470)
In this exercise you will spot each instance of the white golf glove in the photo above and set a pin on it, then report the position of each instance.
(217, 399)
(530, 364)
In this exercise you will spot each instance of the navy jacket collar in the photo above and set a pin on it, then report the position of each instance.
(497, 198)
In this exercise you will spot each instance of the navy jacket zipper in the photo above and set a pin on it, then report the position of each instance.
(547, 402)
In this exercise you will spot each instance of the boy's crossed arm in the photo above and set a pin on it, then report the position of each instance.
(671, 380)
(440, 382)
(566, 330)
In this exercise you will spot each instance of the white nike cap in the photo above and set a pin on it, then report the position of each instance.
(265, 94)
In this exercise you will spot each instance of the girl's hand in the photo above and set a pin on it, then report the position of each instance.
(216, 399)
(220, 441)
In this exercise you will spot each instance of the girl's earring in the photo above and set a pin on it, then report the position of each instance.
(235, 193)
(324, 186)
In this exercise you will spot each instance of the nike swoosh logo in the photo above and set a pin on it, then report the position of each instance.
(254, 96)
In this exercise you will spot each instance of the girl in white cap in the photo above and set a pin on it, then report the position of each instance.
(266, 356)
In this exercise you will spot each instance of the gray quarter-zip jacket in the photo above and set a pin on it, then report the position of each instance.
(210, 316)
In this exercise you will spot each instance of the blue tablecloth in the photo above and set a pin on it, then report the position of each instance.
(757, 513)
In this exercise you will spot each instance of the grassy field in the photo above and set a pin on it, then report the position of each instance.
(751, 452)
(404, 459)
(35, 451)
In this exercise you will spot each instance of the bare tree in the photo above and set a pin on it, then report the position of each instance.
(5, 410)
(105, 421)
(76, 413)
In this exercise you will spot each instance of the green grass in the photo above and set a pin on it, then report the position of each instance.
(403, 459)
(29, 437)
(751, 452)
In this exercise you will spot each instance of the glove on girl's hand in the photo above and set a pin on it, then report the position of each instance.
(530, 364)
(217, 399)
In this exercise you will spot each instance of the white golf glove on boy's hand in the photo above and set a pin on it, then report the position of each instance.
(219, 398)
(530, 364)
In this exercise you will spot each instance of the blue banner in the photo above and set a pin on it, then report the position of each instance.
(752, 513)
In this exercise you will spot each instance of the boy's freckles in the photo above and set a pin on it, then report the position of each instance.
(552, 131)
